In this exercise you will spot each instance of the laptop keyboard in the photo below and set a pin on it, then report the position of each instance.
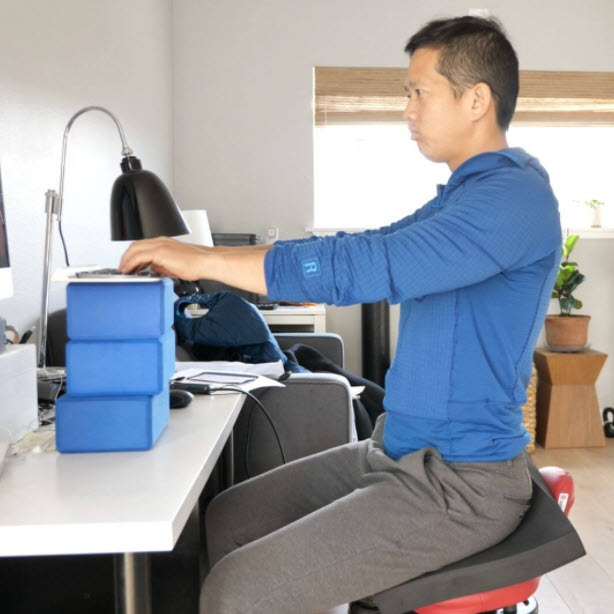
(104, 273)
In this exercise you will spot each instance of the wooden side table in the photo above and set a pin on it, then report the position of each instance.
(567, 408)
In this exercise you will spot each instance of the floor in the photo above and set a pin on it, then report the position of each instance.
(585, 586)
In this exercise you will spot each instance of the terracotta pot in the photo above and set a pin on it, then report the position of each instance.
(567, 333)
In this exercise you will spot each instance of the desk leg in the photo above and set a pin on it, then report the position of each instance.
(228, 462)
(132, 583)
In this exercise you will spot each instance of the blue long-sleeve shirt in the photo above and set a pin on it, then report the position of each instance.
(473, 270)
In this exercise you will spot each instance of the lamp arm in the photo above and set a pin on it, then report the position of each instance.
(126, 150)
(53, 206)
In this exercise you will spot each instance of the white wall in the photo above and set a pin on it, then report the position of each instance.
(55, 58)
(243, 113)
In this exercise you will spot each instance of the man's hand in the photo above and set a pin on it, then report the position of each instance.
(167, 257)
(241, 267)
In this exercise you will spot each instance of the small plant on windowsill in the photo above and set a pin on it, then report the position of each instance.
(595, 208)
(566, 332)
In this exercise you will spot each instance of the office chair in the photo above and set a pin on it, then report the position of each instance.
(312, 413)
(503, 578)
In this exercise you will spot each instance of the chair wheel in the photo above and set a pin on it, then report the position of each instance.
(529, 606)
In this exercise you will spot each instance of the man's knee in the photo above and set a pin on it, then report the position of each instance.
(226, 590)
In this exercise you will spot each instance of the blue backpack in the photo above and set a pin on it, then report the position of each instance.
(231, 322)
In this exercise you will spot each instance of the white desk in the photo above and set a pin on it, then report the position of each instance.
(314, 316)
(121, 502)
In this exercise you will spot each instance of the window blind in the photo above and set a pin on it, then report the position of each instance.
(376, 95)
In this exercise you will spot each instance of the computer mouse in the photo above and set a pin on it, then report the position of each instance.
(180, 398)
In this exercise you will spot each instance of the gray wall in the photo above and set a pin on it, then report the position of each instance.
(55, 58)
(243, 113)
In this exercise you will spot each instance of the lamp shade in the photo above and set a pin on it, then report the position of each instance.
(141, 205)
(200, 232)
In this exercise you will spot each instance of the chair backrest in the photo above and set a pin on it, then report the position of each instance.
(56, 339)
(328, 344)
(544, 540)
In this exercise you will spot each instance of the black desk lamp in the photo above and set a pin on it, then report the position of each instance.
(141, 208)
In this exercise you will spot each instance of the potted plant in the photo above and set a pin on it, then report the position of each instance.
(595, 206)
(566, 332)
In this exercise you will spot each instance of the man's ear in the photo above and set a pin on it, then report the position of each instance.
(481, 100)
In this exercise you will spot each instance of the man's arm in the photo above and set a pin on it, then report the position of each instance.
(241, 267)
(420, 214)
(503, 224)
(245, 248)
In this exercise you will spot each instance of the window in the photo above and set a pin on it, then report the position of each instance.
(579, 162)
(369, 173)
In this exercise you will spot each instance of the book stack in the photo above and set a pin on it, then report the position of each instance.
(119, 360)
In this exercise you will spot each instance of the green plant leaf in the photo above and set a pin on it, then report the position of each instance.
(594, 203)
(570, 243)
(567, 304)
(563, 276)
(574, 281)
(577, 304)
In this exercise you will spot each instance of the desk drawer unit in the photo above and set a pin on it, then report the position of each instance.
(117, 376)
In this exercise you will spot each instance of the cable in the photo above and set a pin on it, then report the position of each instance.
(63, 242)
(198, 388)
(249, 421)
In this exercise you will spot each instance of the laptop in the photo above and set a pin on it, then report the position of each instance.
(89, 274)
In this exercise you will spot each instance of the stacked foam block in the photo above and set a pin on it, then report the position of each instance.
(119, 360)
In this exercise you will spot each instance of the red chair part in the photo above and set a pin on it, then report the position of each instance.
(561, 486)
(483, 602)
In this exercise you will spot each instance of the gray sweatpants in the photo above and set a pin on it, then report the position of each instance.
(349, 522)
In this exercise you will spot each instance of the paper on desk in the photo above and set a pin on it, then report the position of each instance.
(268, 369)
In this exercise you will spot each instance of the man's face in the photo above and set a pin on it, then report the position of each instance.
(439, 123)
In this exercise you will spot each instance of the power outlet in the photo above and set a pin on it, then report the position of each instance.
(272, 234)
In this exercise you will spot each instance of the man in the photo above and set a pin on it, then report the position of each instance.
(444, 475)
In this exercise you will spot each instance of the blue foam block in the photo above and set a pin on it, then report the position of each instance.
(119, 310)
(110, 424)
(121, 367)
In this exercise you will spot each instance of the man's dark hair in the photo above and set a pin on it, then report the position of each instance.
(473, 50)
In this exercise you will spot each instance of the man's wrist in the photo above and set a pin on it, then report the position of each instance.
(212, 264)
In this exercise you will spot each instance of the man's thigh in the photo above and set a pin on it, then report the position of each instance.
(405, 518)
(373, 538)
(265, 503)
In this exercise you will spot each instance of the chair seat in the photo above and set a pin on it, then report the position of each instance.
(483, 602)
(544, 540)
